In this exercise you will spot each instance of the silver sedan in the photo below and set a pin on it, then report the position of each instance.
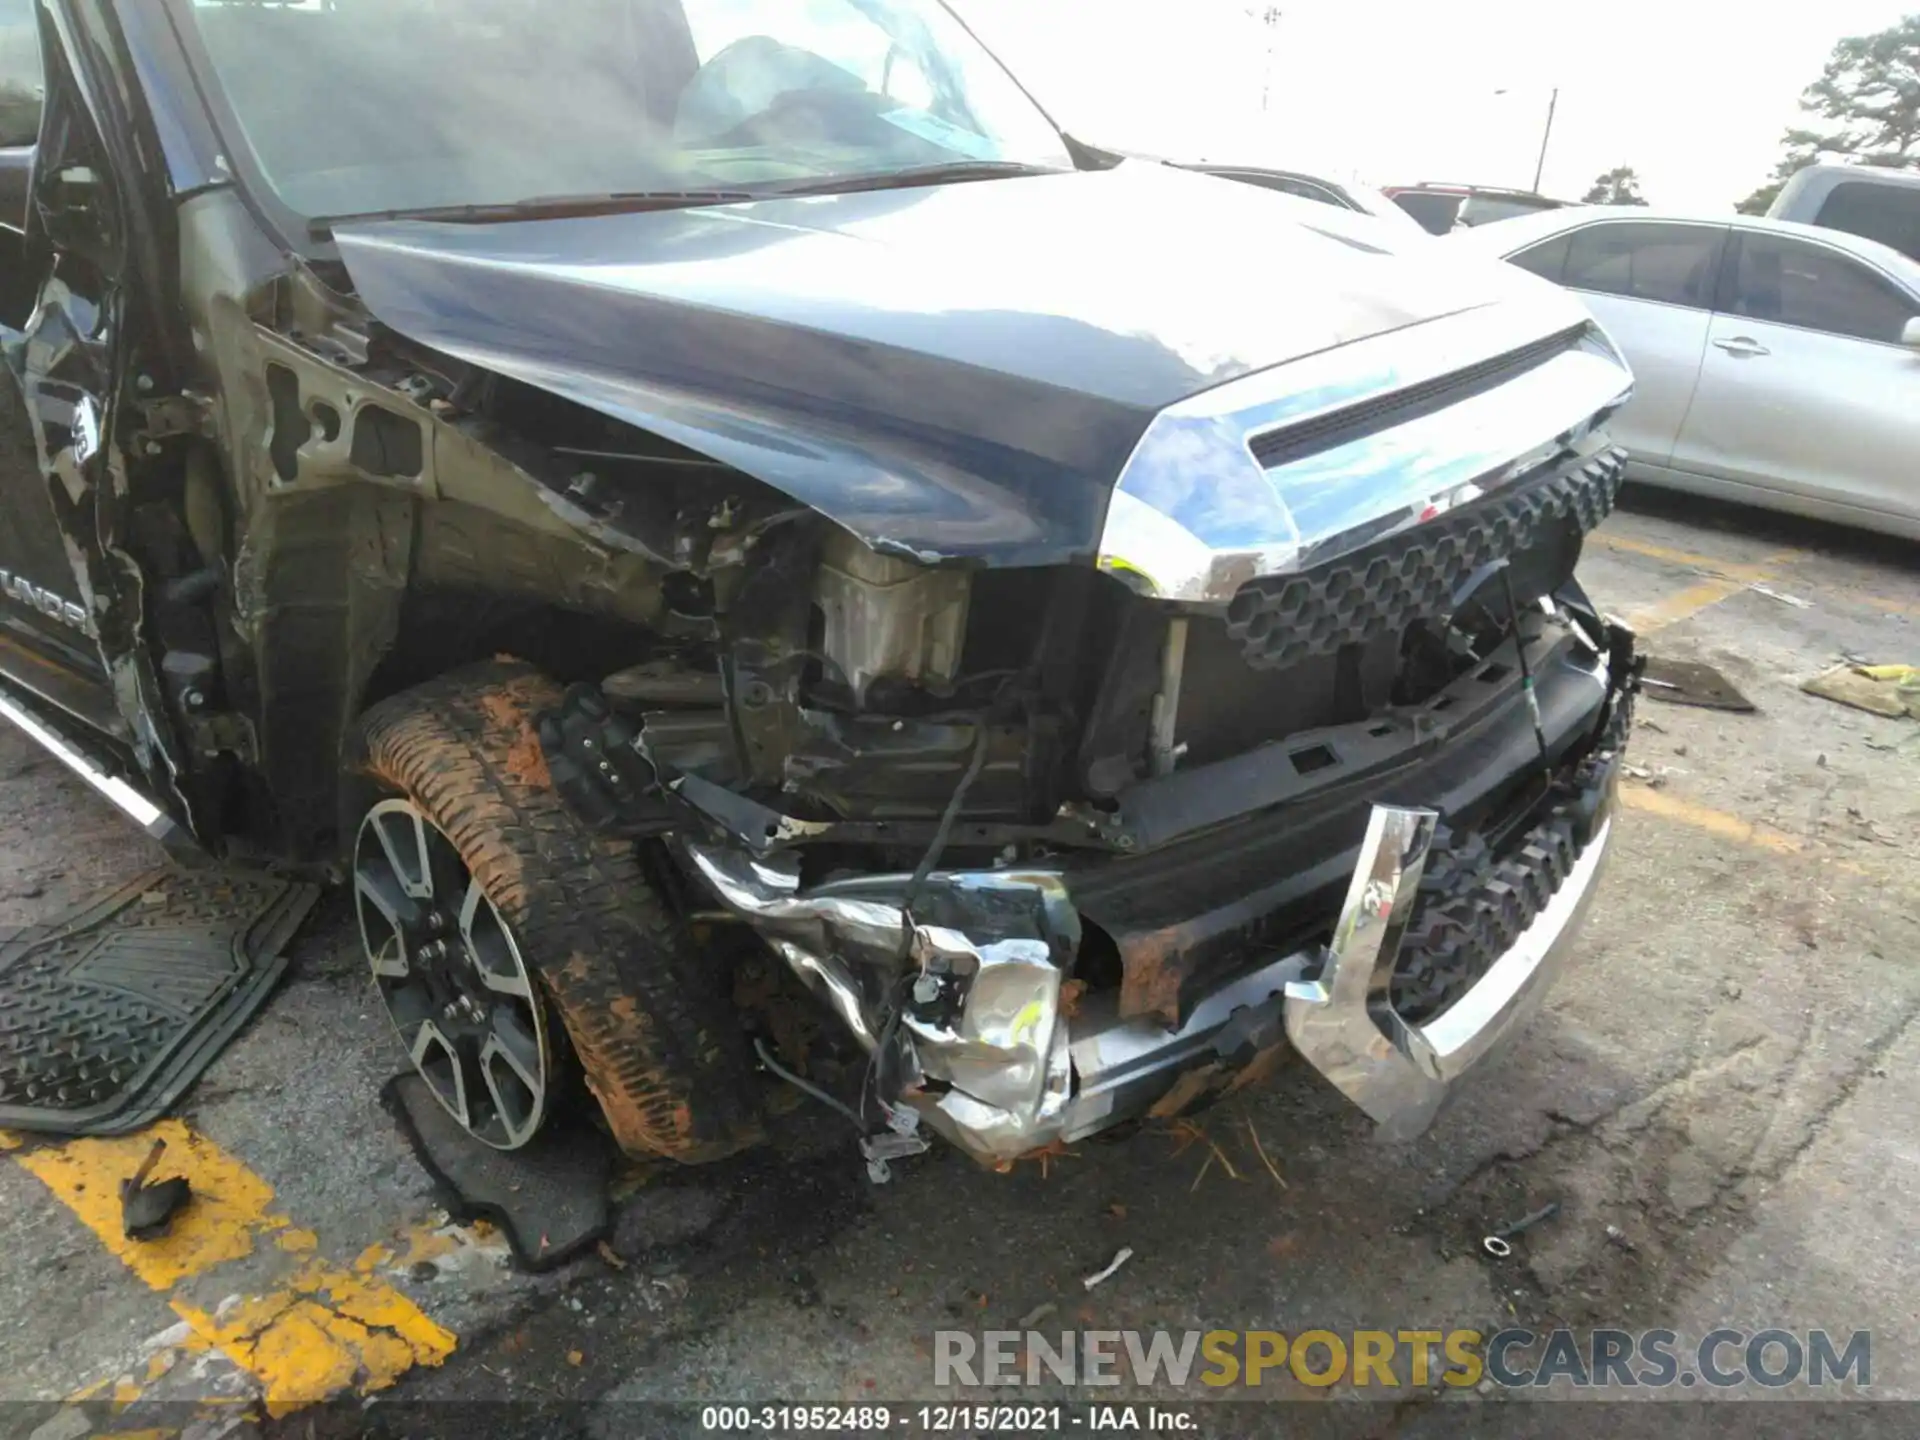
(1774, 363)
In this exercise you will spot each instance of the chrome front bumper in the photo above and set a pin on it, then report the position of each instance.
(1016, 1073)
(1400, 1075)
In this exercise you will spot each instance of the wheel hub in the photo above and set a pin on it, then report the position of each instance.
(450, 973)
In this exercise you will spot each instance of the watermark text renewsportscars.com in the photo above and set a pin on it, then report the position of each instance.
(1513, 1358)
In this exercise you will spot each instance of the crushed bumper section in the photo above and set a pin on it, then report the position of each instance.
(988, 1048)
(1399, 1072)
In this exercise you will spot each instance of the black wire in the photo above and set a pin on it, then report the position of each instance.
(872, 1081)
(1526, 674)
(807, 1086)
(874, 1077)
(975, 764)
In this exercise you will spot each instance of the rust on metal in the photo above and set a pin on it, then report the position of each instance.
(1155, 965)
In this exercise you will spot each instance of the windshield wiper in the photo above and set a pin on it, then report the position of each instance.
(947, 174)
(538, 207)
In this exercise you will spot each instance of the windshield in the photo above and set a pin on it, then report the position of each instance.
(350, 106)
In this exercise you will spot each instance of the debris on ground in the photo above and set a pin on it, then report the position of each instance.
(1781, 596)
(1653, 777)
(1121, 1256)
(1869, 830)
(1688, 682)
(147, 1211)
(1038, 1313)
(549, 1197)
(1892, 691)
(1496, 1244)
(662, 1291)
(1261, 1151)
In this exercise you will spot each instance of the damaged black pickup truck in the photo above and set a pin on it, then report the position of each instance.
(614, 478)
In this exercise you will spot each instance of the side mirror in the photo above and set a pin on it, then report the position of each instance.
(1911, 335)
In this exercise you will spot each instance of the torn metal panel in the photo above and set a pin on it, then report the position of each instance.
(985, 1024)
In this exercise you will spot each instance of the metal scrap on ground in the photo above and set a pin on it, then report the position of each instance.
(1124, 1254)
(1688, 682)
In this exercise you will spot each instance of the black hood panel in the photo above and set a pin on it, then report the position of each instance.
(955, 372)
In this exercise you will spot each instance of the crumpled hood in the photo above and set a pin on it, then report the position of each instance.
(954, 371)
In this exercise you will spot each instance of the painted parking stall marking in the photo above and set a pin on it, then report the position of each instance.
(320, 1330)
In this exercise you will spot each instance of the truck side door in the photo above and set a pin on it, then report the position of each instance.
(52, 343)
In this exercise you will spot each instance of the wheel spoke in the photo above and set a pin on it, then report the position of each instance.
(375, 887)
(485, 936)
(403, 835)
(519, 1048)
(426, 1041)
(518, 1052)
(390, 960)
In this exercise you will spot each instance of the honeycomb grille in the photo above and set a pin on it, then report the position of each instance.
(1474, 908)
(1282, 620)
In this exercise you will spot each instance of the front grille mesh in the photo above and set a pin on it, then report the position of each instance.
(1473, 908)
(1282, 620)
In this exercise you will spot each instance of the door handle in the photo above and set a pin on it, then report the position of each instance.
(1742, 345)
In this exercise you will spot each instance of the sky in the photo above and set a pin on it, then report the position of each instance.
(1693, 94)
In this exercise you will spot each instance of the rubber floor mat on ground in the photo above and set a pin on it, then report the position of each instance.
(110, 1012)
(550, 1196)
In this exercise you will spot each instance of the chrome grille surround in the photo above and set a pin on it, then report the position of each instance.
(1195, 515)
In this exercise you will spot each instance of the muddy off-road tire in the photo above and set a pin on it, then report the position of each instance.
(659, 1045)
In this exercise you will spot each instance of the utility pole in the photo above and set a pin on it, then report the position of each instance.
(1546, 136)
(1269, 16)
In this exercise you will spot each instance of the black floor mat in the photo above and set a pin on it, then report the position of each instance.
(110, 1012)
(549, 1197)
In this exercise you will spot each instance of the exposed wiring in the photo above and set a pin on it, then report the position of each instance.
(872, 1082)
(1526, 674)
(942, 833)
(807, 1086)
(873, 1079)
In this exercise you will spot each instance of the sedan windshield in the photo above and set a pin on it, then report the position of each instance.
(356, 106)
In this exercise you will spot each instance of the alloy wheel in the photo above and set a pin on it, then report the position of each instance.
(450, 972)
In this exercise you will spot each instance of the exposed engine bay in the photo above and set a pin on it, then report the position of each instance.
(951, 801)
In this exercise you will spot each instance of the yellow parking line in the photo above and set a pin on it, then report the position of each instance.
(1646, 619)
(1687, 558)
(321, 1331)
(1714, 822)
(325, 1331)
(1725, 579)
(229, 1204)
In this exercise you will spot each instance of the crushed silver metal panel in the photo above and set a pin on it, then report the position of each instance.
(1003, 939)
